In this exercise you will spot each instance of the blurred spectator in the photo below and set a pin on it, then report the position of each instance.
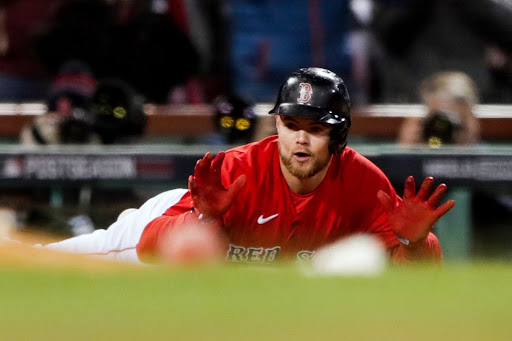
(268, 39)
(500, 64)
(449, 98)
(417, 38)
(206, 28)
(144, 43)
(22, 76)
(80, 29)
(68, 118)
(82, 111)
(360, 42)
(153, 52)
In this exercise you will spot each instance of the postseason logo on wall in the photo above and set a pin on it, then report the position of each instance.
(69, 167)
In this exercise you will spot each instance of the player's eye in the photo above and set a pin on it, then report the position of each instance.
(291, 125)
(318, 129)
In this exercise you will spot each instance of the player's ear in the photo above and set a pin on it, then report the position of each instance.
(278, 122)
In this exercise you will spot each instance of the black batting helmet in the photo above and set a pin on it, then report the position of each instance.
(317, 94)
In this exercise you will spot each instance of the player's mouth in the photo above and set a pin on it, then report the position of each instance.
(301, 156)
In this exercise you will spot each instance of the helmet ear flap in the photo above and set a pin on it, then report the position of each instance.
(338, 137)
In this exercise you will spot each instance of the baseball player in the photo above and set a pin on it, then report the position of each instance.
(286, 195)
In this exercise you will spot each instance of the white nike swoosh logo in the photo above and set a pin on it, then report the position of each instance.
(262, 220)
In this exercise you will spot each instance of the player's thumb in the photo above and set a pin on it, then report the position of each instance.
(237, 185)
(386, 201)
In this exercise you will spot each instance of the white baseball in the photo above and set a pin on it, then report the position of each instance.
(360, 255)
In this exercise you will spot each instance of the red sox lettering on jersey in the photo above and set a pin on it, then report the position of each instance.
(239, 254)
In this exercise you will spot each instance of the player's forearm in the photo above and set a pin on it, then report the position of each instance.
(156, 230)
(428, 250)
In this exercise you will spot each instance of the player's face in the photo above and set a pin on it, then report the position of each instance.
(303, 145)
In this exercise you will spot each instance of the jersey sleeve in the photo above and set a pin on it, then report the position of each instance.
(180, 213)
(371, 180)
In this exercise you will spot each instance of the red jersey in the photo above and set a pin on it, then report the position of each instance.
(268, 220)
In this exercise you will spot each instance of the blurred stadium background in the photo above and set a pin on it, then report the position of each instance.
(105, 103)
(81, 80)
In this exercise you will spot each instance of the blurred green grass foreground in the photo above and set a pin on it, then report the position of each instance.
(456, 302)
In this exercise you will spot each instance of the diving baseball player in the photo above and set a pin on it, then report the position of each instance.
(286, 195)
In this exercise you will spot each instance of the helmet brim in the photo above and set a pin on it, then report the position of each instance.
(309, 112)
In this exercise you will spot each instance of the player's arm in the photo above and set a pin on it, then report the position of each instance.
(413, 218)
(182, 213)
(207, 201)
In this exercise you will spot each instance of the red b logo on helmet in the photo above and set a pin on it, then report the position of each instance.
(305, 93)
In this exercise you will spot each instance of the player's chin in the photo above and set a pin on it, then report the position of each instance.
(192, 245)
(304, 169)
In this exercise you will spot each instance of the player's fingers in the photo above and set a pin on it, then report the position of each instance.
(441, 210)
(217, 162)
(192, 186)
(409, 189)
(437, 195)
(236, 186)
(197, 167)
(198, 164)
(216, 168)
(386, 201)
(202, 167)
(207, 160)
(425, 188)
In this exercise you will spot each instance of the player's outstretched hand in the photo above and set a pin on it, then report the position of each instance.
(414, 217)
(210, 198)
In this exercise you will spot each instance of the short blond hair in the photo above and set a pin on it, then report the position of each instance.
(456, 86)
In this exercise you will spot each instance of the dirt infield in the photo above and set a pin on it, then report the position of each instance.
(18, 251)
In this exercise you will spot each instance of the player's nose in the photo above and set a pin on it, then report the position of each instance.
(302, 137)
